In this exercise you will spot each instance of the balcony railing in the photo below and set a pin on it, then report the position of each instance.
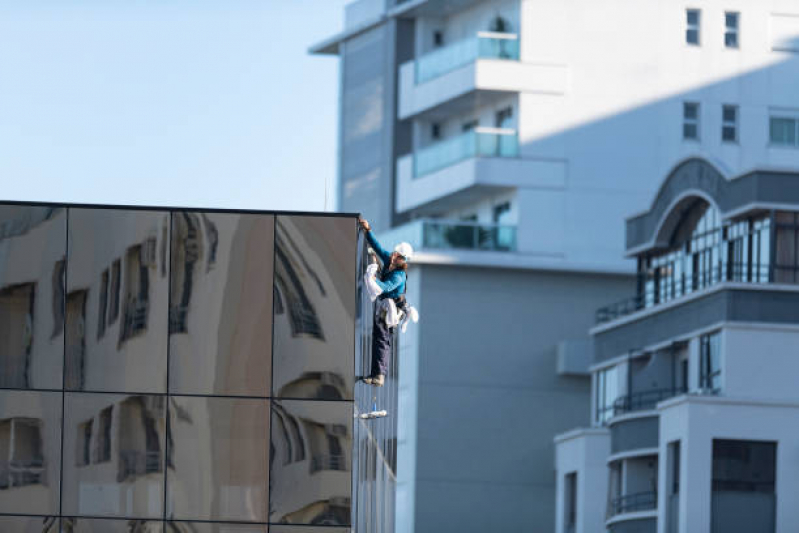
(644, 400)
(631, 503)
(484, 45)
(479, 142)
(657, 291)
(453, 234)
(328, 462)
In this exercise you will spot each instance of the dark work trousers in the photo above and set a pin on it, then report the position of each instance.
(382, 339)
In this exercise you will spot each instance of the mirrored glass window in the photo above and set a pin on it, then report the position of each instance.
(95, 525)
(114, 455)
(211, 527)
(308, 529)
(311, 462)
(218, 459)
(32, 247)
(220, 316)
(314, 307)
(117, 299)
(29, 524)
(30, 451)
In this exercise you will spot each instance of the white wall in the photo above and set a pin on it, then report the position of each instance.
(583, 451)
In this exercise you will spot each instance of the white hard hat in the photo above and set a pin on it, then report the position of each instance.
(405, 250)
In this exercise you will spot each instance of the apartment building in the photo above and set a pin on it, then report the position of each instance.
(507, 141)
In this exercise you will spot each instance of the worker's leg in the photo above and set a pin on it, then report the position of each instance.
(381, 345)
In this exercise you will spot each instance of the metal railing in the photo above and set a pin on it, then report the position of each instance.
(654, 290)
(478, 142)
(328, 462)
(641, 401)
(436, 234)
(630, 503)
(484, 45)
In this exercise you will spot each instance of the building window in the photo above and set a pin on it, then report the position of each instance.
(438, 38)
(137, 292)
(435, 130)
(113, 309)
(690, 121)
(784, 131)
(729, 125)
(22, 461)
(786, 243)
(469, 125)
(570, 502)
(102, 306)
(84, 455)
(103, 444)
(58, 280)
(731, 29)
(607, 391)
(743, 483)
(504, 118)
(692, 19)
(710, 362)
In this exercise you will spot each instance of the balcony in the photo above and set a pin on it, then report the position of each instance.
(485, 67)
(632, 503)
(429, 234)
(658, 291)
(644, 400)
(479, 142)
(462, 169)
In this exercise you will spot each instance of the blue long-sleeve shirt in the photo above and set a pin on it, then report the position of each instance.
(391, 281)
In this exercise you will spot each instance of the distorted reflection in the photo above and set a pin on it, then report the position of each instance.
(29, 524)
(221, 304)
(314, 307)
(295, 529)
(116, 445)
(29, 451)
(94, 525)
(310, 462)
(116, 302)
(209, 527)
(32, 248)
(218, 466)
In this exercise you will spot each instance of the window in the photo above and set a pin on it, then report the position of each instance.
(501, 213)
(690, 122)
(59, 274)
(116, 272)
(469, 125)
(570, 501)
(710, 362)
(102, 304)
(692, 20)
(504, 118)
(435, 130)
(729, 123)
(607, 391)
(784, 131)
(84, 456)
(438, 38)
(731, 29)
(674, 453)
(103, 444)
(786, 241)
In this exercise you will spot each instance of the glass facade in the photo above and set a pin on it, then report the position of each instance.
(183, 371)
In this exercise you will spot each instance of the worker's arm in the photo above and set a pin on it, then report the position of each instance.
(394, 280)
(382, 253)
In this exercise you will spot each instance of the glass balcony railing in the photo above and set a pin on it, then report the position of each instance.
(484, 45)
(479, 142)
(434, 234)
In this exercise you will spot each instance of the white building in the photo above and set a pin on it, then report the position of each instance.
(507, 140)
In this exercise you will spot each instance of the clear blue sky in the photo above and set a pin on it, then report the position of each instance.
(210, 103)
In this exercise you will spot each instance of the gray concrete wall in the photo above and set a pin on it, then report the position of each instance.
(489, 397)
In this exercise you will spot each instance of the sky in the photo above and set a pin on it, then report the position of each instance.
(201, 103)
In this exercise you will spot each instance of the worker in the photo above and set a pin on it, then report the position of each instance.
(389, 283)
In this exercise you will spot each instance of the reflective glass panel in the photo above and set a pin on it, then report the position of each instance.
(29, 524)
(314, 307)
(114, 455)
(30, 451)
(220, 316)
(210, 527)
(311, 462)
(94, 525)
(127, 354)
(32, 247)
(218, 459)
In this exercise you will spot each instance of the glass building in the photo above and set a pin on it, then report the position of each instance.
(173, 370)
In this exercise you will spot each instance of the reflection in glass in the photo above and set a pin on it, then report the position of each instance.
(308, 529)
(218, 459)
(116, 319)
(220, 319)
(32, 248)
(314, 307)
(209, 527)
(30, 451)
(311, 462)
(114, 455)
(94, 525)
(29, 524)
